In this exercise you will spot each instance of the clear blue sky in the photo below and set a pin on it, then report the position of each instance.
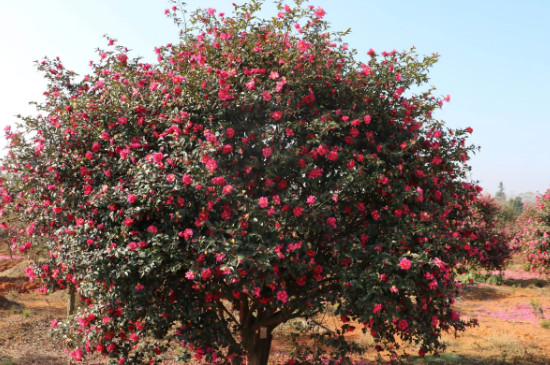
(495, 58)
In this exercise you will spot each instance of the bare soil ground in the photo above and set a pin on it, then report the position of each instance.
(514, 324)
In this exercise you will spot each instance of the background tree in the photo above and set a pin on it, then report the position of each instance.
(489, 234)
(533, 230)
(257, 173)
(510, 208)
(500, 195)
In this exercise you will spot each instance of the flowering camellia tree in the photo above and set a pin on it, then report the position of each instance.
(533, 236)
(486, 235)
(257, 173)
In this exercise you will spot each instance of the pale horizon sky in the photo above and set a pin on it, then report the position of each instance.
(494, 58)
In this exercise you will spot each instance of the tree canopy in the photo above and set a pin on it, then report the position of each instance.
(258, 172)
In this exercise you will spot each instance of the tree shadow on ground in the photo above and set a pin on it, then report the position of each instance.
(39, 359)
(527, 283)
(479, 292)
(451, 358)
(5, 303)
(30, 359)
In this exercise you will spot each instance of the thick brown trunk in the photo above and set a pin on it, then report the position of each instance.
(259, 346)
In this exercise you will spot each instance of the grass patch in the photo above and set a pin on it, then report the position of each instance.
(477, 277)
(442, 359)
(545, 324)
(7, 361)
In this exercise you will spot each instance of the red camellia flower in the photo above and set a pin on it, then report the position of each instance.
(262, 202)
(88, 189)
(282, 296)
(277, 115)
(132, 198)
(405, 264)
(227, 189)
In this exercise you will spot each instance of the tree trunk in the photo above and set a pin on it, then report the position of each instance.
(71, 304)
(259, 346)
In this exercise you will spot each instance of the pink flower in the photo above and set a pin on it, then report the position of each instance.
(218, 180)
(224, 94)
(132, 198)
(152, 229)
(267, 151)
(405, 264)
(29, 271)
(124, 153)
(88, 189)
(122, 57)
(229, 132)
(211, 165)
(206, 274)
(282, 296)
(128, 222)
(377, 308)
(455, 316)
(134, 336)
(332, 155)
(303, 45)
(227, 189)
(187, 179)
(310, 200)
(139, 287)
(402, 325)
(77, 354)
(320, 12)
(251, 84)
(187, 233)
(277, 115)
(227, 148)
(190, 275)
(331, 221)
(262, 202)
(298, 211)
